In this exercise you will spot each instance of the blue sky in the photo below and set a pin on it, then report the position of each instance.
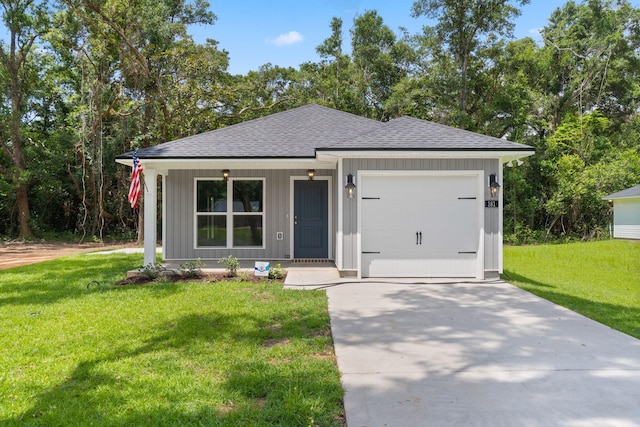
(286, 32)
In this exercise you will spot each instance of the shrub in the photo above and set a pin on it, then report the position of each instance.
(276, 272)
(231, 263)
(191, 268)
(151, 271)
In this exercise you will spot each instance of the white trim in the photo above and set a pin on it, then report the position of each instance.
(165, 175)
(481, 229)
(500, 219)
(323, 159)
(359, 224)
(340, 231)
(479, 174)
(424, 154)
(329, 180)
(150, 215)
(611, 199)
(229, 213)
(296, 163)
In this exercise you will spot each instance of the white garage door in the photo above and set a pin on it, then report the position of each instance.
(420, 225)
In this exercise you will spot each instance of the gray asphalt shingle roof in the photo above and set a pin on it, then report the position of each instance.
(408, 133)
(629, 192)
(300, 132)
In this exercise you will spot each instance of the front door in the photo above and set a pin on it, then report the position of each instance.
(310, 219)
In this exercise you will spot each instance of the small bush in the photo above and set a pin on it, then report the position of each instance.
(191, 268)
(276, 272)
(524, 236)
(231, 263)
(151, 271)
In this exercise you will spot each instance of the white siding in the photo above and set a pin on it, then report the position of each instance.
(626, 218)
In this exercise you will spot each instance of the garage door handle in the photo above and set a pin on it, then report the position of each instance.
(421, 237)
(467, 252)
(416, 237)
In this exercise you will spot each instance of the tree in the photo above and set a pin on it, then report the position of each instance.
(464, 27)
(594, 63)
(26, 21)
(379, 61)
(136, 69)
(331, 81)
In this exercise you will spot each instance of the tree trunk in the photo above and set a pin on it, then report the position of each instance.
(22, 188)
(24, 216)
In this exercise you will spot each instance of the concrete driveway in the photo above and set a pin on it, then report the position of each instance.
(481, 354)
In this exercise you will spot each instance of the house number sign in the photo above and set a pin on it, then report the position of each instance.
(490, 203)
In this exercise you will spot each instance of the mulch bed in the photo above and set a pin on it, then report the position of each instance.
(167, 276)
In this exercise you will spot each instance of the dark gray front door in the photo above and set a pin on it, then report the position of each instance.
(311, 219)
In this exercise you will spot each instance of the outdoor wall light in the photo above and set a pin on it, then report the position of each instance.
(225, 174)
(350, 188)
(493, 185)
(311, 173)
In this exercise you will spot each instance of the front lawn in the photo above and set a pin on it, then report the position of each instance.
(223, 354)
(600, 280)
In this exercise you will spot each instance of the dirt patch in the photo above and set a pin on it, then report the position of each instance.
(16, 254)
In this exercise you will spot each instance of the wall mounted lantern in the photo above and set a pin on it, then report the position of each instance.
(493, 185)
(225, 174)
(311, 173)
(350, 188)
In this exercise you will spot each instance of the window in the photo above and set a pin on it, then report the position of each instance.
(235, 221)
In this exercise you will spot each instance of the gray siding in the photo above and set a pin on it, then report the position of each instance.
(180, 214)
(491, 216)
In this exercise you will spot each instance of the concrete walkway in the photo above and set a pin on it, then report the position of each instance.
(481, 354)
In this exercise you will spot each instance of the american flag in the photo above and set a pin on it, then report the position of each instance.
(134, 189)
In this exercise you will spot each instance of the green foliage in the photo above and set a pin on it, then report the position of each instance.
(97, 77)
(147, 355)
(152, 271)
(231, 263)
(596, 279)
(276, 272)
(191, 268)
(523, 235)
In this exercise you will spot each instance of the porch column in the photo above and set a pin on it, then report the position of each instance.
(150, 215)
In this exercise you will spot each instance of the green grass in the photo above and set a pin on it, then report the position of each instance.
(221, 354)
(600, 280)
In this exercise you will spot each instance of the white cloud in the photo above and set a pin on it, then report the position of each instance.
(536, 33)
(292, 37)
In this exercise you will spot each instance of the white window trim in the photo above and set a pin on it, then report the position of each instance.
(229, 214)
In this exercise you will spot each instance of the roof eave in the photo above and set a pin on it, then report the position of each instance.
(611, 199)
(233, 163)
(507, 153)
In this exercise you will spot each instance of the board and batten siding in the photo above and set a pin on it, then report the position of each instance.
(626, 218)
(180, 207)
(491, 215)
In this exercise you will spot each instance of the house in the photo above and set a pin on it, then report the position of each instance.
(626, 213)
(404, 198)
